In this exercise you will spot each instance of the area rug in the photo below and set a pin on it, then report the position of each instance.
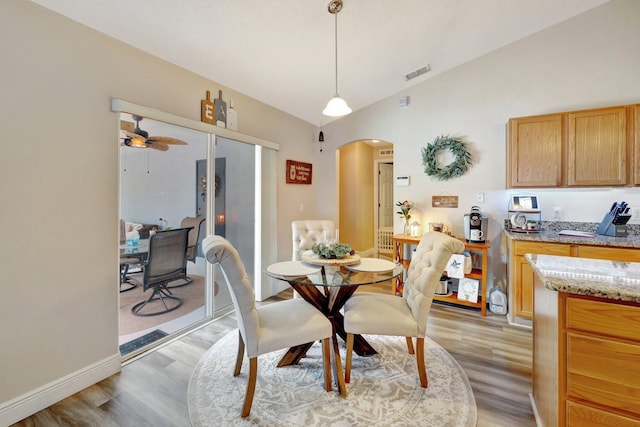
(384, 389)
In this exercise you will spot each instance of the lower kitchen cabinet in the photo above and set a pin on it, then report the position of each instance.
(586, 360)
(521, 276)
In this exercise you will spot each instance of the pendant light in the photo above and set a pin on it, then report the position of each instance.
(337, 106)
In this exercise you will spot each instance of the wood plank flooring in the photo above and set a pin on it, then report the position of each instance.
(152, 391)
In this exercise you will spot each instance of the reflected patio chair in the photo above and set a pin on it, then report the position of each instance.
(127, 263)
(194, 224)
(383, 314)
(266, 328)
(166, 262)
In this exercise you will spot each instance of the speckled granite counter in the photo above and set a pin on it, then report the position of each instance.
(550, 230)
(600, 278)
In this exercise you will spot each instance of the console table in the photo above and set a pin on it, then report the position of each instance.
(399, 242)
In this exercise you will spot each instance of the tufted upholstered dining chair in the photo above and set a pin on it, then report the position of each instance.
(306, 232)
(266, 328)
(383, 314)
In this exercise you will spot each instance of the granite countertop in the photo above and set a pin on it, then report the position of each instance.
(600, 278)
(549, 233)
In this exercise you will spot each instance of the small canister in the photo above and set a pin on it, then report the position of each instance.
(442, 288)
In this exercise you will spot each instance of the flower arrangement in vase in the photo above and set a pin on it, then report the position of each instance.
(405, 209)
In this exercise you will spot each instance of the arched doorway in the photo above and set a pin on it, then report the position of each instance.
(365, 195)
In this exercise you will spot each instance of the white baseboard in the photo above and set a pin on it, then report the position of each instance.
(29, 403)
(536, 414)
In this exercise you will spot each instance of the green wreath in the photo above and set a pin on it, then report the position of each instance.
(456, 168)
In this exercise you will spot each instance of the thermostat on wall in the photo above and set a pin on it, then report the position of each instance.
(402, 181)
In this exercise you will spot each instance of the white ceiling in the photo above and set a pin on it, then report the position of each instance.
(281, 52)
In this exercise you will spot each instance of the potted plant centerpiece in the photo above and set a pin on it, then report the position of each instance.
(332, 250)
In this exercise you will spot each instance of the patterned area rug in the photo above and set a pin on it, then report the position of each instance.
(384, 389)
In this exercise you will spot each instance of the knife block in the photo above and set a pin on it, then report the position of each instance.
(608, 228)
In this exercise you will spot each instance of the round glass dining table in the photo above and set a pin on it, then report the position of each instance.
(328, 287)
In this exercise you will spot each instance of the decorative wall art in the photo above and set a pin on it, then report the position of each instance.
(458, 167)
(298, 172)
(216, 112)
(208, 110)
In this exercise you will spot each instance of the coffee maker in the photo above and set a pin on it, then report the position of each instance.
(475, 226)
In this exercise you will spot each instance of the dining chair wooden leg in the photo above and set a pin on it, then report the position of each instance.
(422, 372)
(251, 386)
(410, 345)
(326, 363)
(240, 355)
(347, 359)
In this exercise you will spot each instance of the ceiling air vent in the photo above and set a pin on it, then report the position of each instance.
(387, 152)
(418, 72)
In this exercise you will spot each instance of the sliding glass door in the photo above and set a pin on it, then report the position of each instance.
(192, 170)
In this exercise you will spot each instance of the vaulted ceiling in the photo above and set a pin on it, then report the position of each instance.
(281, 52)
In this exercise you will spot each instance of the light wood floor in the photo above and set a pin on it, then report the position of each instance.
(152, 391)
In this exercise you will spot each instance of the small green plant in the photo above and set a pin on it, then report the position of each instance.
(332, 250)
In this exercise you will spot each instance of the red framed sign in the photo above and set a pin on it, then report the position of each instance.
(298, 172)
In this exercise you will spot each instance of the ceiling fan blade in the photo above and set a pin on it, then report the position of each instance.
(166, 140)
(160, 146)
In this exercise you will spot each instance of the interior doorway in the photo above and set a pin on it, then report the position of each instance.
(385, 206)
(365, 196)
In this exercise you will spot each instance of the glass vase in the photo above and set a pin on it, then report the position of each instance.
(407, 228)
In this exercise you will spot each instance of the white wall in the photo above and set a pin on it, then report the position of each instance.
(585, 62)
(59, 191)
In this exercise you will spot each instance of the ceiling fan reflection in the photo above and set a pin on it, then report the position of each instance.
(138, 138)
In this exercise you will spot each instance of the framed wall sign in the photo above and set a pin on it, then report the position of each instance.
(298, 172)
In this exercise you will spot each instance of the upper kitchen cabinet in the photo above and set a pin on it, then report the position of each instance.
(534, 151)
(597, 147)
(587, 148)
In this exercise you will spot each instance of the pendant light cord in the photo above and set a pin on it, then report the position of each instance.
(336, 50)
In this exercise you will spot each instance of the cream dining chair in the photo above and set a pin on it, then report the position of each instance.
(266, 328)
(383, 314)
(306, 232)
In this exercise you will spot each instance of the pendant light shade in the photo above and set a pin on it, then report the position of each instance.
(337, 106)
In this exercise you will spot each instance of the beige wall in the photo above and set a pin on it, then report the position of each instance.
(59, 187)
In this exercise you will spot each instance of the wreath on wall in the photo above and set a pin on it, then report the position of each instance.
(454, 169)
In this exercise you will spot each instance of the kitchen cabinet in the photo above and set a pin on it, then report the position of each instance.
(586, 148)
(636, 139)
(534, 151)
(597, 147)
(521, 277)
(586, 359)
(400, 241)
